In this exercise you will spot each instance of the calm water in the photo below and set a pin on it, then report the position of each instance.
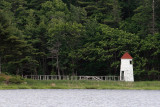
(79, 98)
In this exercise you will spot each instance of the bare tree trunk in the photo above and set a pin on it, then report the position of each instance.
(63, 72)
(116, 11)
(17, 72)
(57, 57)
(35, 70)
(0, 66)
(58, 64)
(73, 70)
(153, 17)
(44, 65)
(54, 50)
(52, 63)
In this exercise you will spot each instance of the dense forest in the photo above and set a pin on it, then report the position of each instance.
(79, 37)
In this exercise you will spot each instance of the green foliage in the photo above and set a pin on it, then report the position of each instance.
(153, 72)
(78, 37)
(2, 79)
(16, 80)
(68, 84)
(108, 44)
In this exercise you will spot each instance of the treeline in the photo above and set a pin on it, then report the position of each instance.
(79, 37)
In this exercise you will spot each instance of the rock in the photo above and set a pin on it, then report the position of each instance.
(53, 84)
(25, 83)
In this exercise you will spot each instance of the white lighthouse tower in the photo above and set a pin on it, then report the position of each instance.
(126, 68)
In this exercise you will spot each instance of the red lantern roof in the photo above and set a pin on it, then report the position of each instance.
(126, 56)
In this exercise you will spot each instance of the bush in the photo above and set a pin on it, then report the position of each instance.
(2, 79)
(15, 80)
(153, 72)
(6, 73)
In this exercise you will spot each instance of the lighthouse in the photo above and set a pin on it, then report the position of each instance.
(126, 68)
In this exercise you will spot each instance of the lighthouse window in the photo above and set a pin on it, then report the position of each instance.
(130, 62)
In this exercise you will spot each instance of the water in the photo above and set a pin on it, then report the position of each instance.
(79, 98)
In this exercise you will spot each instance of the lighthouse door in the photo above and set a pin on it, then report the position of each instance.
(122, 76)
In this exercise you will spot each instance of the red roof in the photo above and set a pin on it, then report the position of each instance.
(126, 56)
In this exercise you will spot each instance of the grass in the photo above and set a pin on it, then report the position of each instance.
(82, 84)
(16, 82)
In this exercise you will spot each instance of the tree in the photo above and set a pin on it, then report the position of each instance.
(107, 46)
(153, 17)
(4, 33)
(143, 20)
(12, 48)
(150, 51)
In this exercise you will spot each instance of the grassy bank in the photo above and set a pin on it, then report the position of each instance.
(17, 82)
(67, 84)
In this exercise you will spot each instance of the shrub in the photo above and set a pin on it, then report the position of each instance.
(153, 72)
(15, 80)
(6, 73)
(2, 79)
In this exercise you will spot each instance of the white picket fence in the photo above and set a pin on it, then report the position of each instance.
(60, 77)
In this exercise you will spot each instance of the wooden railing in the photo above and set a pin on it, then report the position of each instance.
(57, 77)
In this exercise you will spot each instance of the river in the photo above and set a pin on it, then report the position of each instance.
(79, 98)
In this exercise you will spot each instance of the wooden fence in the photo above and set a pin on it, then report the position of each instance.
(57, 77)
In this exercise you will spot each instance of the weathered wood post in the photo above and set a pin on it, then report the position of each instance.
(67, 77)
(25, 76)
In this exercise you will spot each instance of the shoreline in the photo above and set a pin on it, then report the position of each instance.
(83, 84)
